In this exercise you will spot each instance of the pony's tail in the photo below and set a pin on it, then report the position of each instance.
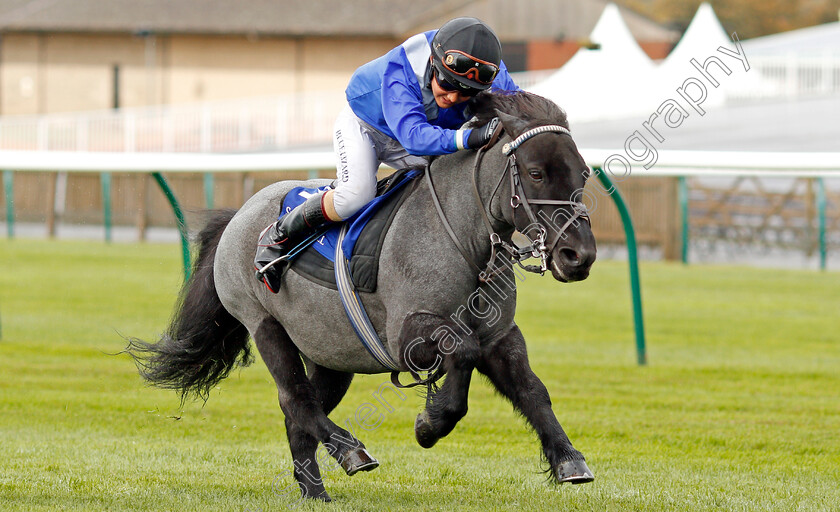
(204, 342)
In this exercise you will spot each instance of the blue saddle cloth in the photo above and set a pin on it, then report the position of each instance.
(325, 244)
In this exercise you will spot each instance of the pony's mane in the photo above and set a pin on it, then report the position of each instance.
(532, 108)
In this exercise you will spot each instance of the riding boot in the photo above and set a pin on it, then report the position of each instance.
(282, 236)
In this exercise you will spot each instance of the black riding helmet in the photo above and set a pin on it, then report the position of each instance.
(466, 53)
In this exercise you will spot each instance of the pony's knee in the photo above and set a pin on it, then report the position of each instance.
(294, 431)
(429, 340)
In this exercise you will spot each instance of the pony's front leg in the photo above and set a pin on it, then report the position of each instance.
(506, 364)
(432, 342)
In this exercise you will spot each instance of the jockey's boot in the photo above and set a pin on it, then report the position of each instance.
(282, 236)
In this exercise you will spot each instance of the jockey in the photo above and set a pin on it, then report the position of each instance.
(402, 107)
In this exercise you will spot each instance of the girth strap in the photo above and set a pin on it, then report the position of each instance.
(356, 310)
(361, 323)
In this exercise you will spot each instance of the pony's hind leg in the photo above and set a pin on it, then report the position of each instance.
(506, 364)
(303, 407)
(330, 387)
(446, 344)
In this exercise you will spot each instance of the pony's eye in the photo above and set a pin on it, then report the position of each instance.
(535, 175)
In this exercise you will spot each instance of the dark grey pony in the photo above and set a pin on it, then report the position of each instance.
(432, 309)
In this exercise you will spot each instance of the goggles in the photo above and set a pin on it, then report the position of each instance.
(462, 64)
(448, 87)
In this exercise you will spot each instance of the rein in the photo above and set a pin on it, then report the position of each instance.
(518, 197)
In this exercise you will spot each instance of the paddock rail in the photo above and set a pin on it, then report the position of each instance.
(680, 164)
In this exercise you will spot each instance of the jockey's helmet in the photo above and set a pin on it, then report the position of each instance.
(466, 53)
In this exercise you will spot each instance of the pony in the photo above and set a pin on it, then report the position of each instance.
(444, 303)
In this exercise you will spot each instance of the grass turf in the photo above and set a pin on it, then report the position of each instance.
(737, 410)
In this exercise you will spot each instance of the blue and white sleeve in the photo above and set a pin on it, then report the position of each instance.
(402, 108)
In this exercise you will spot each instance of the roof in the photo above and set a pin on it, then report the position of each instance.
(249, 17)
(770, 125)
(513, 21)
(552, 19)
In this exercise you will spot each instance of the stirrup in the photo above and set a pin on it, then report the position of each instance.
(294, 251)
(267, 266)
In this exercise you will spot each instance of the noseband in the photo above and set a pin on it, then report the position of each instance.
(518, 198)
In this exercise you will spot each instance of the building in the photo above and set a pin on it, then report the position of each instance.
(82, 55)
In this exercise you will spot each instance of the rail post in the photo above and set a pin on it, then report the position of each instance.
(209, 190)
(683, 198)
(105, 180)
(633, 260)
(9, 188)
(821, 222)
(179, 221)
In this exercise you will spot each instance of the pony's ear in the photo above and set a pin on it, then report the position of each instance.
(513, 125)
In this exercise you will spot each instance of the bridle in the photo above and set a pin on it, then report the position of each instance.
(518, 198)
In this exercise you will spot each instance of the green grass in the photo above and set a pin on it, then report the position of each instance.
(738, 409)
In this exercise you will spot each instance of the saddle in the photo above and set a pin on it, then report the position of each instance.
(363, 243)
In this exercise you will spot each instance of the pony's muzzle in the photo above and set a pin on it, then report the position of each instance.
(570, 264)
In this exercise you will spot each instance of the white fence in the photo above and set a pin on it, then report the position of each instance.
(253, 124)
(779, 206)
(792, 76)
(279, 122)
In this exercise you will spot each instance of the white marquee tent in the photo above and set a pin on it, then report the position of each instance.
(619, 80)
(701, 41)
(612, 81)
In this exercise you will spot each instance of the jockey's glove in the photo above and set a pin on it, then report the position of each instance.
(479, 137)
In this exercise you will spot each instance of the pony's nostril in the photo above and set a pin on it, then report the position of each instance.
(570, 256)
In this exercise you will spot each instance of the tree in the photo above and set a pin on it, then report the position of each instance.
(749, 18)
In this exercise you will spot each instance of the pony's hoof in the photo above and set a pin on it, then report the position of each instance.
(423, 431)
(358, 460)
(322, 496)
(574, 472)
